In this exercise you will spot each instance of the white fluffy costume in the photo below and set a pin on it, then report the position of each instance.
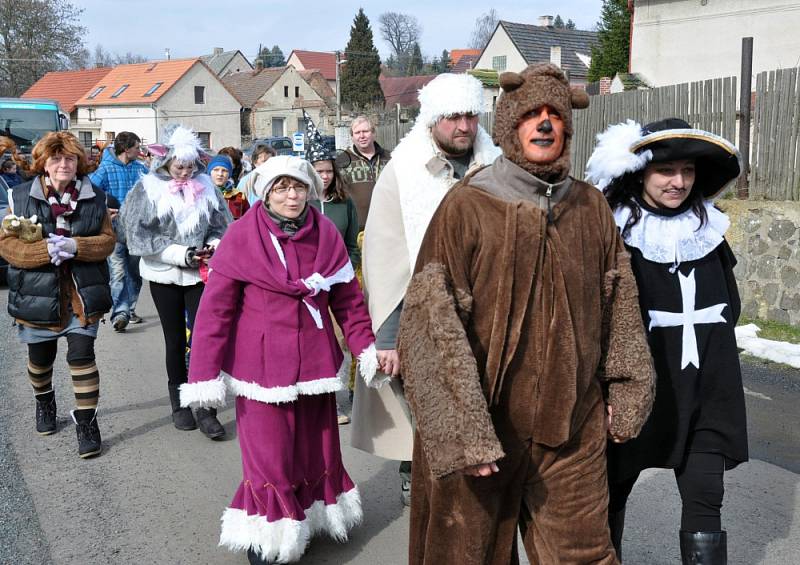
(406, 195)
(162, 220)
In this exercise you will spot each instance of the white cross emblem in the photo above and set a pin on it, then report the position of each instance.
(688, 318)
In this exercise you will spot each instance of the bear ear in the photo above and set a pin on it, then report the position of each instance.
(580, 99)
(510, 81)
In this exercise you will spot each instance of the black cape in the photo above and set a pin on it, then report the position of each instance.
(696, 409)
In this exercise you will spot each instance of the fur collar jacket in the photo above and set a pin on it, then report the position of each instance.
(514, 328)
(154, 216)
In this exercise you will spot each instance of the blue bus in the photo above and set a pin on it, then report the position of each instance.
(26, 120)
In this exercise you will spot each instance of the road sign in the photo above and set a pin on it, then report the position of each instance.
(298, 142)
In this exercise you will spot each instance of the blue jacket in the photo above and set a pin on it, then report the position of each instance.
(116, 178)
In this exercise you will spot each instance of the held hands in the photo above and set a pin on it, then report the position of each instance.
(61, 248)
(389, 362)
(482, 470)
(196, 256)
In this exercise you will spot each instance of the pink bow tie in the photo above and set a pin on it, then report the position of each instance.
(190, 188)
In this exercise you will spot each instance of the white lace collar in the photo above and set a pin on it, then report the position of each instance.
(674, 239)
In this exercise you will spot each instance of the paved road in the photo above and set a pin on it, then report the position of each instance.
(156, 494)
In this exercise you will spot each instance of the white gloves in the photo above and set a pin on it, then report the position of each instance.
(61, 248)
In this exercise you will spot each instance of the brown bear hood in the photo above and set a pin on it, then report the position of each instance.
(538, 85)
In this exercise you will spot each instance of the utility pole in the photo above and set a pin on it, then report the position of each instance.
(743, 186)
(338, 89)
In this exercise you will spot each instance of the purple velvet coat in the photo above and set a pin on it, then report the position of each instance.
(252, 322)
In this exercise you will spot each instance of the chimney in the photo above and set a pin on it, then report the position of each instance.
(546, 21)
(218, 51)
(555, 55)
(166, 53)
(259, 66)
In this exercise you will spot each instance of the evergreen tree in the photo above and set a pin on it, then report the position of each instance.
(613, 31)
(359, 78)
(415, 61)
(276, 57)
(444, 62)
(558, 23)
(570, 24)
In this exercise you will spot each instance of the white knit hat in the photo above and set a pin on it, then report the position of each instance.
(289, 166)
(449, 94)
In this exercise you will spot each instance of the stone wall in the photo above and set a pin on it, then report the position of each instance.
(765, 237)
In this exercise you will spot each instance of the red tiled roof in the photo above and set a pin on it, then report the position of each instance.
(315, 79)
(66, 87)
(250, 86)
(320, 60)
(403, 90)
(456, 54)
(465, 63)
(140, 78)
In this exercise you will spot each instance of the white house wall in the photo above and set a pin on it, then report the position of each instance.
(684, 40)
(219, 115)
(114, 119)
(236, 65)
(500, 44)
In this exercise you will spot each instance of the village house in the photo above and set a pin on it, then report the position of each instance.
(514, 46)
(146, 97)
(66, 88)
(273, 100)
(690, 40)
(323, 61)
(463, 60)
(227, 62)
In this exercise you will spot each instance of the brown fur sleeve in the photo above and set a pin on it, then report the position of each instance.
(96, 247)
(441, 378)
(23, 255)
(627, 365)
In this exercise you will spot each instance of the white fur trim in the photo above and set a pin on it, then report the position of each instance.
(420, 192)
(675, 239)
(449, 94)
(285, 540)
(613, 157)
(281, 394)
(203, 394)
(368, 368)
(187, 216)
(185, 144)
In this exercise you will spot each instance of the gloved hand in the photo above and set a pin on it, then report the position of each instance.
(61, 248)
(191, 258)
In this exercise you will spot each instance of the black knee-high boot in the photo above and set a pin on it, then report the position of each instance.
(616, 524)
(704, 548)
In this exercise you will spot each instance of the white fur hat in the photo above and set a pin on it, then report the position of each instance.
(449, 94)
(289, 166)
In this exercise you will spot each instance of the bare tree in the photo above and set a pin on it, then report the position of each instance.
(401, 32)
(484, 28)
(103, 58)
(37, 36)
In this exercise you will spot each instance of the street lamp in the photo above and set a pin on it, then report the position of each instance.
(339, 61)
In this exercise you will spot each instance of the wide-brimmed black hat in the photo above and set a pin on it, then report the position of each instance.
(717, 161)
(628, 147)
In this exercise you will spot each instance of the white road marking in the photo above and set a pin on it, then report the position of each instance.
(756, 394)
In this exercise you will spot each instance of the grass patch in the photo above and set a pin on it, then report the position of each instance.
(774, 330)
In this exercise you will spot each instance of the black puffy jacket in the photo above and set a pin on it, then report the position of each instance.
(34, 294)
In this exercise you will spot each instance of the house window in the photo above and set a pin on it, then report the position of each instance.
(120, 90)
(86, 138)
(499, 63)
(296, 91)
(199, 94)
(301, 124)
(96, 91)
(110, 135)
(205, 138)
(286, 91)
(153, 88)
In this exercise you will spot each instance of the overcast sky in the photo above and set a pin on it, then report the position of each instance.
(193, 28)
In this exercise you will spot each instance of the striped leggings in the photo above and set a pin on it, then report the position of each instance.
(82, 368)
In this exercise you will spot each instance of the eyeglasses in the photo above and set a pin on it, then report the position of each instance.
(299, 189)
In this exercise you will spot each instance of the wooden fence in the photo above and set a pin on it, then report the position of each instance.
(709, 105)
(775, 150)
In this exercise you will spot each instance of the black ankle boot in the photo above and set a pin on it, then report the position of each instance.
(255, 559)
(704, 548)
(182, 418)
(208, 423)
(46, 413)
(616, 524)
(89, 441)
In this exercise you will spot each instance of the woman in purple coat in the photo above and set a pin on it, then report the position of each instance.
(264, 332)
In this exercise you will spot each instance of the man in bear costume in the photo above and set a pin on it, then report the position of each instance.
(521, 347)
